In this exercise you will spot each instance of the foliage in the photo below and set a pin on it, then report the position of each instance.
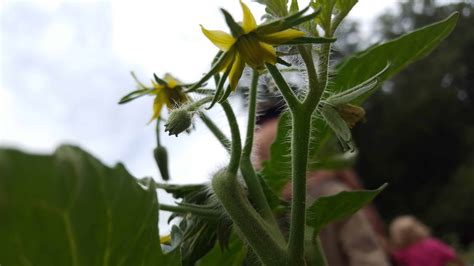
(90, 213)
(423, 120)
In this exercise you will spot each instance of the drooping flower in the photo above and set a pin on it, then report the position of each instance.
(253, 45)
(168, 92)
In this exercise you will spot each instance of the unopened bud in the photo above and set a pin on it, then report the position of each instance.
(352, 114)
(178, 121)
(161, 158)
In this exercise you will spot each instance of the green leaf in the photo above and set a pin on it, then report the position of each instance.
(70, 209)
(234, 255)
(277, 8)
(399, 52)
(337, 207)
(134, 95)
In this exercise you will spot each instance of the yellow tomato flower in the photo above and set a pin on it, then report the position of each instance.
(168, 92)
(249, 44)
(165, 239)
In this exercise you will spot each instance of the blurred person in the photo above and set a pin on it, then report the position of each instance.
(413, 245)
(357, 240)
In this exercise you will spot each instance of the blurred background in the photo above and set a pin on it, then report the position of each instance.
(65, 64)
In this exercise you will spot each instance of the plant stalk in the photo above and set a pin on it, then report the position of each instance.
(255, 190)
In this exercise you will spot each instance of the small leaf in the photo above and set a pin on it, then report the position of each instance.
(337, 207)
(214, 69)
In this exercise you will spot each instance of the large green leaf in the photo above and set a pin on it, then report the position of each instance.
(70, 209)
(399, 53)
(350, 73)
(340, 206)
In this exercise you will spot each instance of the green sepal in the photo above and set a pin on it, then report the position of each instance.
(220, 87)
(283, 62)
(226, 94)
(338, 125)
(310, 40)
(286, 22)
(235, 29)
(134, 95)
(159, 81)
(215, 69)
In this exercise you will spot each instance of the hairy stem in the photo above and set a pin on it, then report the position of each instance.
(248, 172)
(290, 98)
(215, 130)
(236, 145)
(254, 230)
(301, 123)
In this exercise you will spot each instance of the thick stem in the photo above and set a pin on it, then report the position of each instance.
(253, 228)
(248, 172)
(315, 90)
(215, 130)
(236, 145)
(301, 122)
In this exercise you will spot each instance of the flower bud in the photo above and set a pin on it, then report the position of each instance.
(178, 121)
(352, 114)
(161, 158)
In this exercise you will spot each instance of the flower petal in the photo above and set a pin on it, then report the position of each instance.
(172, 82)
(281, 36)
(222, 40)
(248, 23)
(269, 53)
(157, 106)
(236, 71)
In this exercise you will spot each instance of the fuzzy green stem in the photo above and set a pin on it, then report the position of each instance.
(301, 124)
(236, 145)
(192, 107)
(157, 128)
(254, 230)
(248, 172)
(185, 209)
(215, 130)
(324, 65)
(290, 98)
(315, 91)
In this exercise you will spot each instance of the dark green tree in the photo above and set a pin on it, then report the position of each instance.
(419, 135)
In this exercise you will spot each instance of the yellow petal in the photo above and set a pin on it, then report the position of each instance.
(248, 23)
(165, 239)
(172, 82)
(157, 106)
(269, 53)
(222, 40)
(236, 71)
(281, 37)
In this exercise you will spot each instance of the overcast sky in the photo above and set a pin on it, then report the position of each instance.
(65, 64)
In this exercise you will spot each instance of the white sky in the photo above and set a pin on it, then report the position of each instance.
(63, 68)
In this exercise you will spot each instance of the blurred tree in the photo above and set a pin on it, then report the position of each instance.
(419, 135)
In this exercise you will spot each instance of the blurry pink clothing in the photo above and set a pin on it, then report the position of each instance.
(429, 251)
